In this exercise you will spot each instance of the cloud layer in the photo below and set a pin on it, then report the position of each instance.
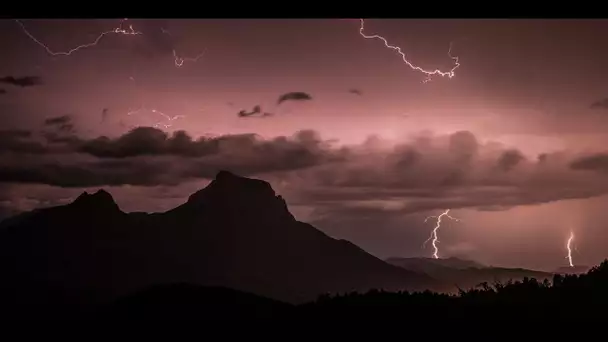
(26, 81)
(149, 156)
(427, 173)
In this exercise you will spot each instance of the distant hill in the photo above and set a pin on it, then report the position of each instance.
(234, 233)
(465, 273)
(576, 269)
(425, 264)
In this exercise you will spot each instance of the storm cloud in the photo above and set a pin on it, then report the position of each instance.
(437, 172)
(600, 104)
(104, 114)
(294, 96)
(26, 81)
(256, 112)
(453, 171)
(596, 162)
(57, 120)
(149, 156)
(257, 109)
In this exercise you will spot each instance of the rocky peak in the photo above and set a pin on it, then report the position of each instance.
(100, 200)
(228, 190)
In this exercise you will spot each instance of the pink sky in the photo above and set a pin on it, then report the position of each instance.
(526, 84)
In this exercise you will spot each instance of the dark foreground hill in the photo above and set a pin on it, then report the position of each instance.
(564, 299)
(235, 233)
(466, 274)
(179, 302)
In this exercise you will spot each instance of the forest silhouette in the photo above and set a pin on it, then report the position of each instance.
(567, 298)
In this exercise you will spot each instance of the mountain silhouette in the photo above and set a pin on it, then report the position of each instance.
(235, 233)
(422, 263)
(465, 274)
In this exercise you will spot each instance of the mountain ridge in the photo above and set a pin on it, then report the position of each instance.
(466, 273)
(236, 232)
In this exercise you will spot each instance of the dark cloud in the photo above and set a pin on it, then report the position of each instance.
(61, 137)
(509, 159)
(15, 133)
(104, 114)
(19, 141)
(148, 141)
(58, 121)
(26, 81)
(256, 112)
(355, 91)
(600, 104)
(148, 156)
(83, 174)
(463, 144)
(597, 162)
(294, 96)
(432, 173)
(68, 128)
(60, 129)
(452, 171)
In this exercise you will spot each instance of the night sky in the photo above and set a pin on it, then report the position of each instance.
(513, 144)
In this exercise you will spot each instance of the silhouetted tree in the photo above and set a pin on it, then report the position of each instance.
(568, 297)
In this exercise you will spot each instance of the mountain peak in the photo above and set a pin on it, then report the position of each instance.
(98, 200)
(231, 191)
(226, 176)
(228, 185)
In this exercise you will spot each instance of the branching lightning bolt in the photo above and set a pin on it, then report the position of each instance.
(168, 118)
(116, 30)
(434, 237)
(429, 73)
(179, 61)
(569, 247)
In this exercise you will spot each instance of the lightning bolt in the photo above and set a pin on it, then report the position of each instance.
(429, 73)
(179, 61)
(116, 30)
(169, 119)
(434, 237)
(569, 247)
